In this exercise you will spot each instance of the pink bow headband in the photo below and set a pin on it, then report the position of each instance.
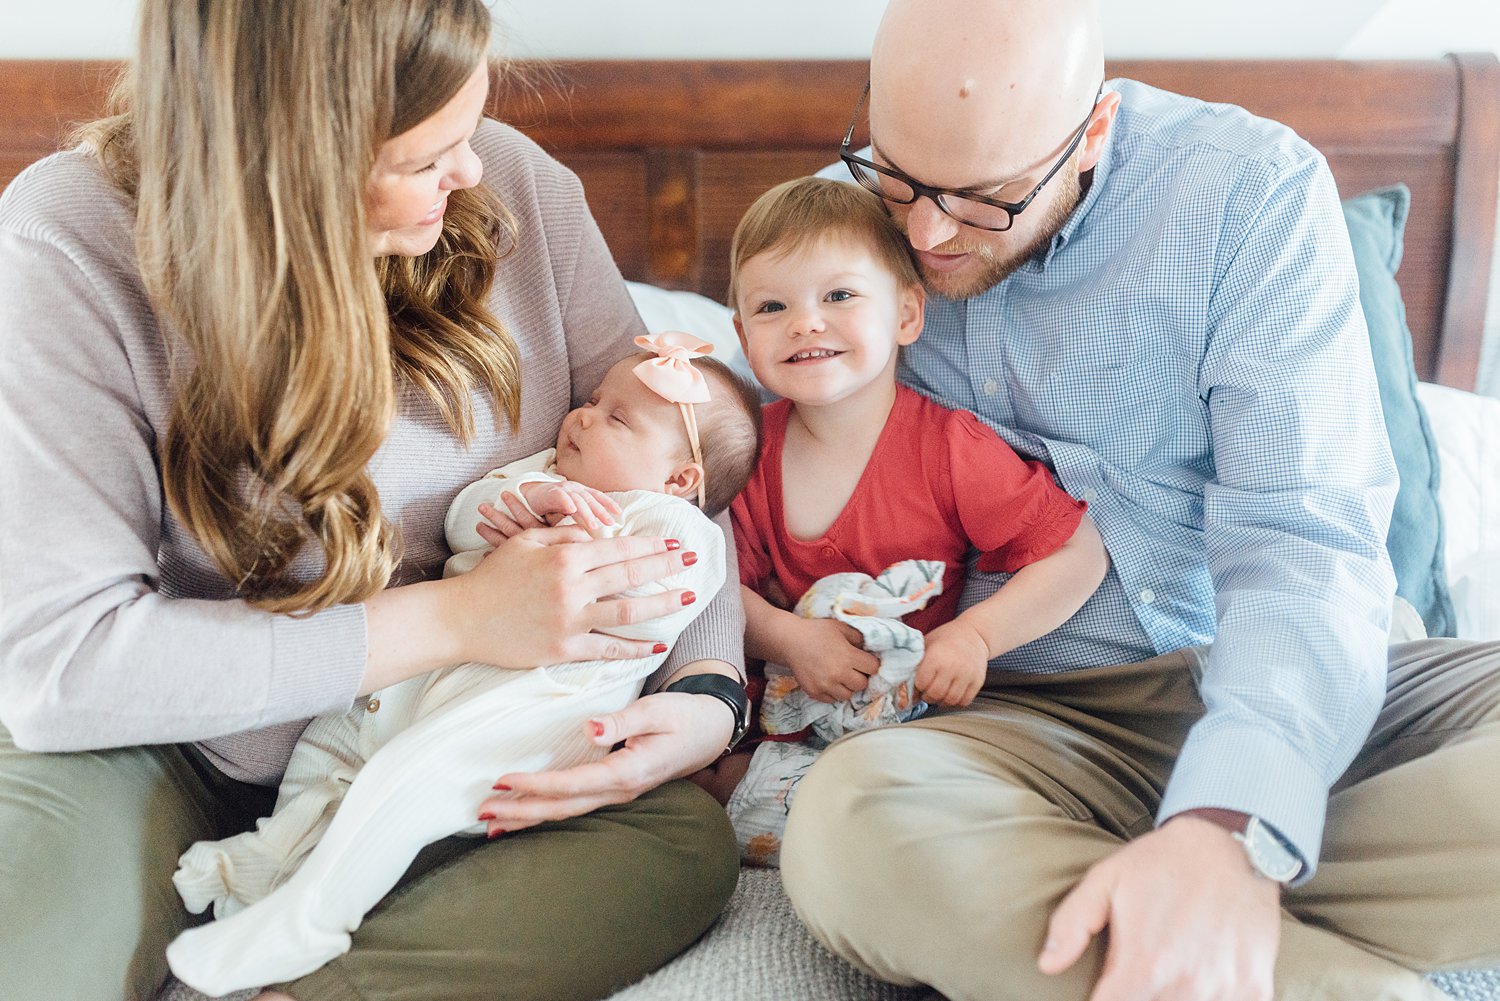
(671, 376)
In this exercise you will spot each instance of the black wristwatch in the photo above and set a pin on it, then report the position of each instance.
(726, 690)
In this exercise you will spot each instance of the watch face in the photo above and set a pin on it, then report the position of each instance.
(1268, 854)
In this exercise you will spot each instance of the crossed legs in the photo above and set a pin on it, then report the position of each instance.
(935, 852)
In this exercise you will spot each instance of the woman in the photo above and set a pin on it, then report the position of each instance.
(257, 332)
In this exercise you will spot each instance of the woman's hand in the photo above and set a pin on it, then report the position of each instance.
(666, 736)
(544, 596)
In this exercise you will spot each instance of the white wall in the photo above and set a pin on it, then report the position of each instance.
(793, 29)
(799, 29)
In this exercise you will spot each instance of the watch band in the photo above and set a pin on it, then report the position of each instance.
(726, 690)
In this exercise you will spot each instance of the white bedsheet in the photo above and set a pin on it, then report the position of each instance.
(1467, 430)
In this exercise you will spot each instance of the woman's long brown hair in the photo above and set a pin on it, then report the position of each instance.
(246, 132)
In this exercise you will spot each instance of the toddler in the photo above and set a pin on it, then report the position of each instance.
(365, 791)
(865, 503)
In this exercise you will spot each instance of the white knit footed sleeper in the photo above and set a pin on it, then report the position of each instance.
(366, 790)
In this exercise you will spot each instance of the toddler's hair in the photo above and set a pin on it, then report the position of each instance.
(797, 213)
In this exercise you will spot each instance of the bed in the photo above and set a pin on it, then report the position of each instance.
(671, 153)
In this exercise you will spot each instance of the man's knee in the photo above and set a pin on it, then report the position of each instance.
(857, 808)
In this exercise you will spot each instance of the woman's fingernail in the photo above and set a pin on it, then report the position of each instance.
(596, 727)
(673, 544)
(499, 787)
(486, 815)
(660, 647)
(688, 597)
(688, 559)
(495, 832)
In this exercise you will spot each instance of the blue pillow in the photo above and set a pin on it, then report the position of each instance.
(1377, 222)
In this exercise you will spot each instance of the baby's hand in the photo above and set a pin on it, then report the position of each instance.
(953, 668)
(591, 509)
(832, 663)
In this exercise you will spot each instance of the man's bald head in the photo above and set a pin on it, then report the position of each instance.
(984, 97)
(996, 84)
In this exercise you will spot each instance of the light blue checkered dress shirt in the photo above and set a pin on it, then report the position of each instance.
(1190, 356)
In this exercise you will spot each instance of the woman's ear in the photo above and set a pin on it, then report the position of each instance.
(911, 314)
(684, 480)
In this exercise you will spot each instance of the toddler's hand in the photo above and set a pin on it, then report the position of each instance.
(831, 662)
(591, 509)
(953, 668)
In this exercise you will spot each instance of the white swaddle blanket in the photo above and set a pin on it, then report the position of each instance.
(410, 767)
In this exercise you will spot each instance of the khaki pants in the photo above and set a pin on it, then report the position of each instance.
(935, 852)
(569, 910)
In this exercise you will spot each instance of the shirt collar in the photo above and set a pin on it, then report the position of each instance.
(1099, 175)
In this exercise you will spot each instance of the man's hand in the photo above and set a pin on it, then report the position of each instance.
(829, 660)
(1188, 919)
(954, 665)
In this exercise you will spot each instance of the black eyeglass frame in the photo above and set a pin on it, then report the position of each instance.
(919, 190)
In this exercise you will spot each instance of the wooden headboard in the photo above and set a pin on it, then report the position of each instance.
(672, 152)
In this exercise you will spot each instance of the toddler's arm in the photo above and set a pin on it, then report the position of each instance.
(1040, 597)
(824, 655)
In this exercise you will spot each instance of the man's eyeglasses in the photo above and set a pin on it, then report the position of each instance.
(978, 211)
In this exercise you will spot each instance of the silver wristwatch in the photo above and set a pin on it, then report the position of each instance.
(1269, 855)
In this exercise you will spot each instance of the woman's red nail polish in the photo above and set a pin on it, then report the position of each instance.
(499, 787)
(673, 544)
(659, 648)
(486, 815)
(688, 559)
(688, 597)
(495, 832)
(597, 727)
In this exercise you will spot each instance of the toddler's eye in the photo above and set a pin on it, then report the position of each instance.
(770, 307)
(839, 295)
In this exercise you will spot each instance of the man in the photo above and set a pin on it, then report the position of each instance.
(1157, 297)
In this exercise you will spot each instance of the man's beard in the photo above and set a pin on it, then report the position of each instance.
(986, 267)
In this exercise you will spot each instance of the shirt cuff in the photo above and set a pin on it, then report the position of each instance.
(1282, 789)
(319, 662)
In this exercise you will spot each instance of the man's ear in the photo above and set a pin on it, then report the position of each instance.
(912, 313)
(1098, 131)
(684, 480)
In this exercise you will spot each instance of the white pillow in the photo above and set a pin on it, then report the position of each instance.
(1466, 428)
(668, 309)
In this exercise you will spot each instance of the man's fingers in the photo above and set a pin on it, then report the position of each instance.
(1082, 914)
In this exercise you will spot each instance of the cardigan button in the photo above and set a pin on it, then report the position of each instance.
(373, 706)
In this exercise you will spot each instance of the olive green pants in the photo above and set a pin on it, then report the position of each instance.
(89, 841)
(935, 852)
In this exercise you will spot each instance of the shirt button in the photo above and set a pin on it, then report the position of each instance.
(991, 387)
(1147, 596)
(373, 706)
(1090, 495)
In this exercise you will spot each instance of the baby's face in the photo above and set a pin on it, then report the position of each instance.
(624, 438)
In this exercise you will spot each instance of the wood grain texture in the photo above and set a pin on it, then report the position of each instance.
(672, 152)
